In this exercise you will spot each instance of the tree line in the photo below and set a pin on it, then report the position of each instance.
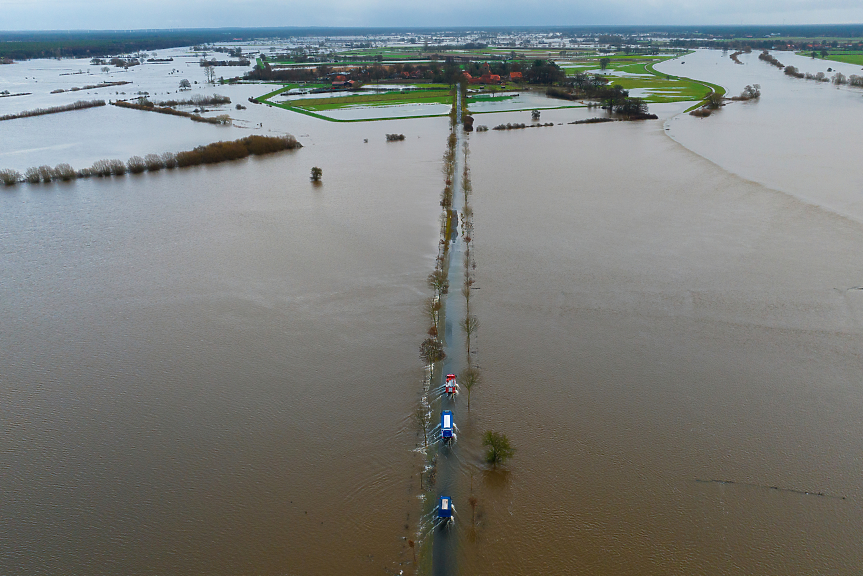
(147, 106)
(595, 87)
(447, 72)
(79, 105)
(210, 154)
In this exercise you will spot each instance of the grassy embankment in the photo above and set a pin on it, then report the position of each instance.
(711, 87)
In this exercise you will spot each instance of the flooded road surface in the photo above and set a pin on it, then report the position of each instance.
(648, 320)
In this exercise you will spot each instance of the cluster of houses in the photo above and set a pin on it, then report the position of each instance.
(342, 81)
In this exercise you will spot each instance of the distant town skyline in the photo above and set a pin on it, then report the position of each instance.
(105, 15)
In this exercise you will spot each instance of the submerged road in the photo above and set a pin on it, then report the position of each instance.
(445, 543)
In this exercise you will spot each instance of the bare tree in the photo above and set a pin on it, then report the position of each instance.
(432, 307)
(470, 378)
(470, 325)
(423, 420)
(438, 282)
(473, 502)
(211, 74)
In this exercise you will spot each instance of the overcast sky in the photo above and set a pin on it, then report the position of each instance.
(118, 14)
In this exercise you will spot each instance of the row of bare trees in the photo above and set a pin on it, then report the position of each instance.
(209, 154)
(79, 105)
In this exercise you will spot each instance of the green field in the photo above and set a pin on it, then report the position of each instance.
(662, 88)
(490, 97)
(631, 71)
(848, 58)
(384, 99)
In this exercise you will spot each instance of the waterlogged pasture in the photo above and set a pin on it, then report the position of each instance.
(638, 76)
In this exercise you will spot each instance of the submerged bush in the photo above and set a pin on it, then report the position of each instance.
(9, 176)
(80, 105)
(32, 175)
(169, 160)
(101, 168)
(64, 172)
(136, 165)
(395, 137)
(794, 72)
(154, 162)
(431, 351)
(209, 154)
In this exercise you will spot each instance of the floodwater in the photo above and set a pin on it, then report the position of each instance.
(215, 370)
(653, 323)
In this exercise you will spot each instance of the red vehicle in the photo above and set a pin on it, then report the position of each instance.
(451, 386)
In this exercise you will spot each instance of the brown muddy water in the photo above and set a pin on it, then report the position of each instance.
(215, 370)
(212, 371)
(650, 320)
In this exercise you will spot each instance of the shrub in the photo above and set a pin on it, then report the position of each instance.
(395, 137)
(101, 168)
(482, 128)
(714, 101)
(839, 79)
(136, 165)
(169, 160)
(154, 162)
(766, 56)
(431, 351)
(189, 158)
(32, 175)
(9, 176)
(215, 99)
(793, 71)
(240, 107)
(701, 113)
(118, 167)
(498, 448)
(84, 173)
(80, 105)
(749, 93)
(64, 172)
(46, 172)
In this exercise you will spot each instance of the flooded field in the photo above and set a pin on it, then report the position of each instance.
(215, 370)
(651, 322)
